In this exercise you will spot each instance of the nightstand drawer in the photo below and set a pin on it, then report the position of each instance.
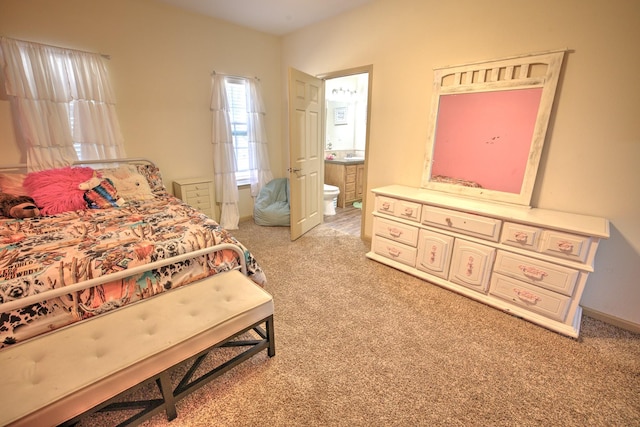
(203, 186)
(196, 192)
(531, 297)
(199, 202)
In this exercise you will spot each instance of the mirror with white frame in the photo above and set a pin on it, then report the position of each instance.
(488, 125)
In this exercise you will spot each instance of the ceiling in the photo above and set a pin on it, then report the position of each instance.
(276, 17)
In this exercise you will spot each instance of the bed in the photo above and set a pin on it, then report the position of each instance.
(93, 261)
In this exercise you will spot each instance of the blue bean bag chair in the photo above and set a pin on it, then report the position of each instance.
(271, 207)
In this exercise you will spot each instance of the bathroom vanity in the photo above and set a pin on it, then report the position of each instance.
(348, 176)
(533, 263)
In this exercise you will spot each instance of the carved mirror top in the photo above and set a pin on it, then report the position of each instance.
(488, 125)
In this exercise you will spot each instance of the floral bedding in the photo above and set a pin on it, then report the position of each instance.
(48, 252)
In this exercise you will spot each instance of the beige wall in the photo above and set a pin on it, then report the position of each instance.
(161, 61)
(590, 162)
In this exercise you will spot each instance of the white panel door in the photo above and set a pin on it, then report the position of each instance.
(306, 162)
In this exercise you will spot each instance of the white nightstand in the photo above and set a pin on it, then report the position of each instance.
(198, 192)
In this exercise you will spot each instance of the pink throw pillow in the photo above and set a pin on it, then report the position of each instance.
(56, 190)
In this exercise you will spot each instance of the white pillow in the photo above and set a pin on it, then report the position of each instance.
(130, 184)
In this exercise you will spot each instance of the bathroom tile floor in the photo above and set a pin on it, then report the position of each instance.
(348, 220)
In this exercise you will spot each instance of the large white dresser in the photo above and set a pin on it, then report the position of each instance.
(530, 262)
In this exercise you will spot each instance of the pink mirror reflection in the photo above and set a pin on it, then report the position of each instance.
(483, 139)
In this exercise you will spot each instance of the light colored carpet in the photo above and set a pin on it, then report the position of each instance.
(360, 344)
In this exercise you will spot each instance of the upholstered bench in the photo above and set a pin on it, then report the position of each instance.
(64, 374)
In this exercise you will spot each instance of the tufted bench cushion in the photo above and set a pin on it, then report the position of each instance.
(57, 376)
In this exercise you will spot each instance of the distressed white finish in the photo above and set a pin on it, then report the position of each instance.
(533, 263)
(519, 72)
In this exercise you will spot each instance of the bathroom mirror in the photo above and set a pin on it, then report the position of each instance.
(488, 125)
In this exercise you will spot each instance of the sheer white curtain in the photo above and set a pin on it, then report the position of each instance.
(60, 96)
(259, 169)
(95, 123)
(224, 156)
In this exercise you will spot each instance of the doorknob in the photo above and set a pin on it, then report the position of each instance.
(295, 170)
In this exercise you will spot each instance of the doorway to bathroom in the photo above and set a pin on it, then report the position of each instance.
(346, 140)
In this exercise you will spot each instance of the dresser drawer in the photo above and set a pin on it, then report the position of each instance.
(434, 253)
(462, 222)
(540, 273)
(399, 232)
(385, 204)
(533, 298)
(471, 264)
(395, 251)
(564, 245)
(399, 208)
(521, 236)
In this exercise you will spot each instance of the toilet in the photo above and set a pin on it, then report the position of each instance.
(330, 199)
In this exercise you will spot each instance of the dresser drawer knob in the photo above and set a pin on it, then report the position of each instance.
(521, 236)
(449, 222)
(385, 206)
(532, 272)
(470, 266)
(394, 252)
(527, 296)
(395, 232)
(434, 252)
(564, 246)
(408, 211)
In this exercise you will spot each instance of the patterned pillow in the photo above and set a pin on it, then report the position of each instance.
(103, 196)
(152, 173)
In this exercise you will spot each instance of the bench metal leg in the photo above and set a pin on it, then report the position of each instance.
(271, 351)
(164, 384)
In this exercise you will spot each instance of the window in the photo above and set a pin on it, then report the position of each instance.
(237, 95)
(68, 111)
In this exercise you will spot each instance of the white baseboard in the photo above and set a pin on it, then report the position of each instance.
(612, 320)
